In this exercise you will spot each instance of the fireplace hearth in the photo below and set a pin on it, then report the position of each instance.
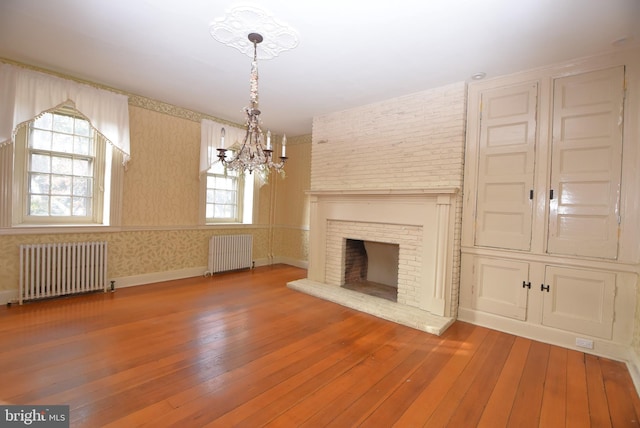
(418, 223)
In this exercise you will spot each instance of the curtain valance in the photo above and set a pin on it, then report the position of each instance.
(25, 94)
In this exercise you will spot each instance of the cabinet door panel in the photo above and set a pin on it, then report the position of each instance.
(586, 164)
(498, 287)
(579, 300)
(506, 167)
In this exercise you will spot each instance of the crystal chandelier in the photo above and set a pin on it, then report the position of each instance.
(255, 153)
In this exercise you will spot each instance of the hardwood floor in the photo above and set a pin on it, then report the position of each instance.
(241, 349)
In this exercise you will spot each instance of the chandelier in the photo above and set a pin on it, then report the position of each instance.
(255, 153)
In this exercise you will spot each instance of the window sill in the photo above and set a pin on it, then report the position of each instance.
(40, 229)
(228, 224)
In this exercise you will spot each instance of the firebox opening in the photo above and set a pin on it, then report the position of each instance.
(372, 268)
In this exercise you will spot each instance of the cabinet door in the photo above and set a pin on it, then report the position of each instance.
(579, 300)
(506, 167)
(498, 287)
(586, 164)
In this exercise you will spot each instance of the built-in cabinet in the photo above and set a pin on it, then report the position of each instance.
(549, 239)
(576, 300)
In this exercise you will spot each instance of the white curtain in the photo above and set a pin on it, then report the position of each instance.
(25, 94)
(210, 141)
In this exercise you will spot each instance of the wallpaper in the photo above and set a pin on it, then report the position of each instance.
(161, 182)
(161, 202)
(292, 200)
(133, 252)
(292, 243)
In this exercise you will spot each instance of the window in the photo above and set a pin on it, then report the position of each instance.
(61, 156)
(62, 171)
(55, 168)
(229, 196)
(224, 194)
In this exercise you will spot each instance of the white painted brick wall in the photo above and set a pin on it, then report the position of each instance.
(414, 141)
(409, 238)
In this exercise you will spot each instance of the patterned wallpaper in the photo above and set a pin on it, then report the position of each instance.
(292, 201)
(161, 182)
(161, 200)
(133, 252)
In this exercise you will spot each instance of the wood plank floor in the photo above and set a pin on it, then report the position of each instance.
(241, 349)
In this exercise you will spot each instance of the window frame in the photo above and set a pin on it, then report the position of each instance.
(247, 196)
(101, 168)
(218, 171)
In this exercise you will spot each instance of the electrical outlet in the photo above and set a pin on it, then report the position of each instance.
(584, 343)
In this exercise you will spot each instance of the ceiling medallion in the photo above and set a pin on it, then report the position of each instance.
(233, 27)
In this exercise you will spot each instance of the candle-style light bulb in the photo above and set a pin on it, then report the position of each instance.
(284, 145)
(269, 140)
(222, 132)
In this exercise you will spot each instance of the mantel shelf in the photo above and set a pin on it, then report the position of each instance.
(392, 192)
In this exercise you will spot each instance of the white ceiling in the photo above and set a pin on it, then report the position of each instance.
(350, 52)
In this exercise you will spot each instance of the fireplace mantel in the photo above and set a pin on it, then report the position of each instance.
(423, 216)
(384, 192)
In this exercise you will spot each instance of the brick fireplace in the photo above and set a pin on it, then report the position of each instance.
(419, 221)
(371, 267)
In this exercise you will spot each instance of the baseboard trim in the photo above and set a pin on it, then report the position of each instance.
(150, 278)
(8, 296)
(540, 333)
(302, 264)
(633, 364)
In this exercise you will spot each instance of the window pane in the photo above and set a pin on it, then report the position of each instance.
(225, 197)
(81, 206)
(61, 185)
(81, 186)
(82, 127)
(60, 165)
(61, 205)
(210, 195)
(209, 213)
(63, 123)
(44, 122)
(82, 167)
(225, 183)
(40, 140)
(62, 143)
(38, 205)
(39, 183)
(224, 211)
(229, 211)
(211, 182)
(82, 145)
(40, 163)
